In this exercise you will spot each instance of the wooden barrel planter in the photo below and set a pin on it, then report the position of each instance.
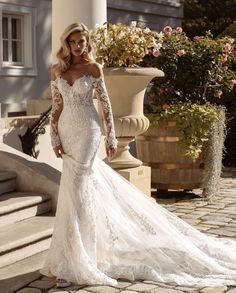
(160, 149)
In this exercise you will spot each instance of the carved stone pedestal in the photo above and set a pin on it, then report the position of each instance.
(139, 176)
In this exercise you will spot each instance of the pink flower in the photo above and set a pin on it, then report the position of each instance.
(233, 81)
(225, 57)
(227, 47)
(149, 52)
(181, 52)
(226, 68)
(234, 54)
(179, 29)
(218, 93)
(167, 30)
(156, 53)
(197, 38)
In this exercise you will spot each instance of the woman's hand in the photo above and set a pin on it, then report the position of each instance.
(59, 151)
(110, 152)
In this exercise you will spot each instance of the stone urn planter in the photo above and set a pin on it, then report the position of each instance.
(126, 88)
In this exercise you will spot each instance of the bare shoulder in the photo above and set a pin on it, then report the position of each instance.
(54, 71)
(96, 69)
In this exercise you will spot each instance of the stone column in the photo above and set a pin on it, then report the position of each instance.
(65, 12)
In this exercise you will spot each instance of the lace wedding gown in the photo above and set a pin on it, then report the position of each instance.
(106, 228)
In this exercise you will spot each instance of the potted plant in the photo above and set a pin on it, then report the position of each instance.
(186, 111)
(121, 49)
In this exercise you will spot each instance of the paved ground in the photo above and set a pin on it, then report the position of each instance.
(217, 218)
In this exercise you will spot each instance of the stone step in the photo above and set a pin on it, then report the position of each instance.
(25, 238)
(7, 181)
(17, 206)
(7, 175)
(15, 276)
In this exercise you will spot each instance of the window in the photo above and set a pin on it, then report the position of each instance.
(12, 27)
(17, 34)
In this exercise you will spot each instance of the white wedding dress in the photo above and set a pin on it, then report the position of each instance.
(106, 228)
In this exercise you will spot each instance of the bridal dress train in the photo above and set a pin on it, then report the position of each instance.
(106, 228)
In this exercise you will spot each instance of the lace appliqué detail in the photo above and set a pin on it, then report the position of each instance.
(110, 228)
(145, 226)
(102, 95)
(57, 105)
(79, 92)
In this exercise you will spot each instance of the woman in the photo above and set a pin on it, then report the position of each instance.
(105, 228)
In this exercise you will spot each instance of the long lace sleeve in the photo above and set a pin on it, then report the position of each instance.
(57, 106)
(104, 100)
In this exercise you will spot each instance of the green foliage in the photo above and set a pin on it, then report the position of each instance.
(220, 18)
(230, 145)
(119, 45)
(198, 70)
(199, 75)
(193, 122)
(230, 30)
(229, 101)
(214, 15)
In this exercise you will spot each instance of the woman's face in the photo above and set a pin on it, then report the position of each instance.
(77, 43)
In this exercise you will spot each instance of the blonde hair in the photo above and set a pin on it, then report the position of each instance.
(63, 54)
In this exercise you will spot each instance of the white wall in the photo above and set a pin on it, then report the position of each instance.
(154, 14)
(15, 90)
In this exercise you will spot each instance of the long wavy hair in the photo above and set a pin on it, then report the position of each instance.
(64, 54)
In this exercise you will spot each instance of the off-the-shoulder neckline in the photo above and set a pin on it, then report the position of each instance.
(78, 78)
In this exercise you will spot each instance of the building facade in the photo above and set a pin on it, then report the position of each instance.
(25, 42)
(25, 53)
(154, 14)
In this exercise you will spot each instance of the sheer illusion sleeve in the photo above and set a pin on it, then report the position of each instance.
(104, 100)
(57, 106)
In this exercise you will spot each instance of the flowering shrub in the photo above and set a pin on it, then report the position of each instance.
(119, 45)
(197, 70)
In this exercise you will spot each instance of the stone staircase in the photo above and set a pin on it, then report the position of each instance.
(26, 222)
